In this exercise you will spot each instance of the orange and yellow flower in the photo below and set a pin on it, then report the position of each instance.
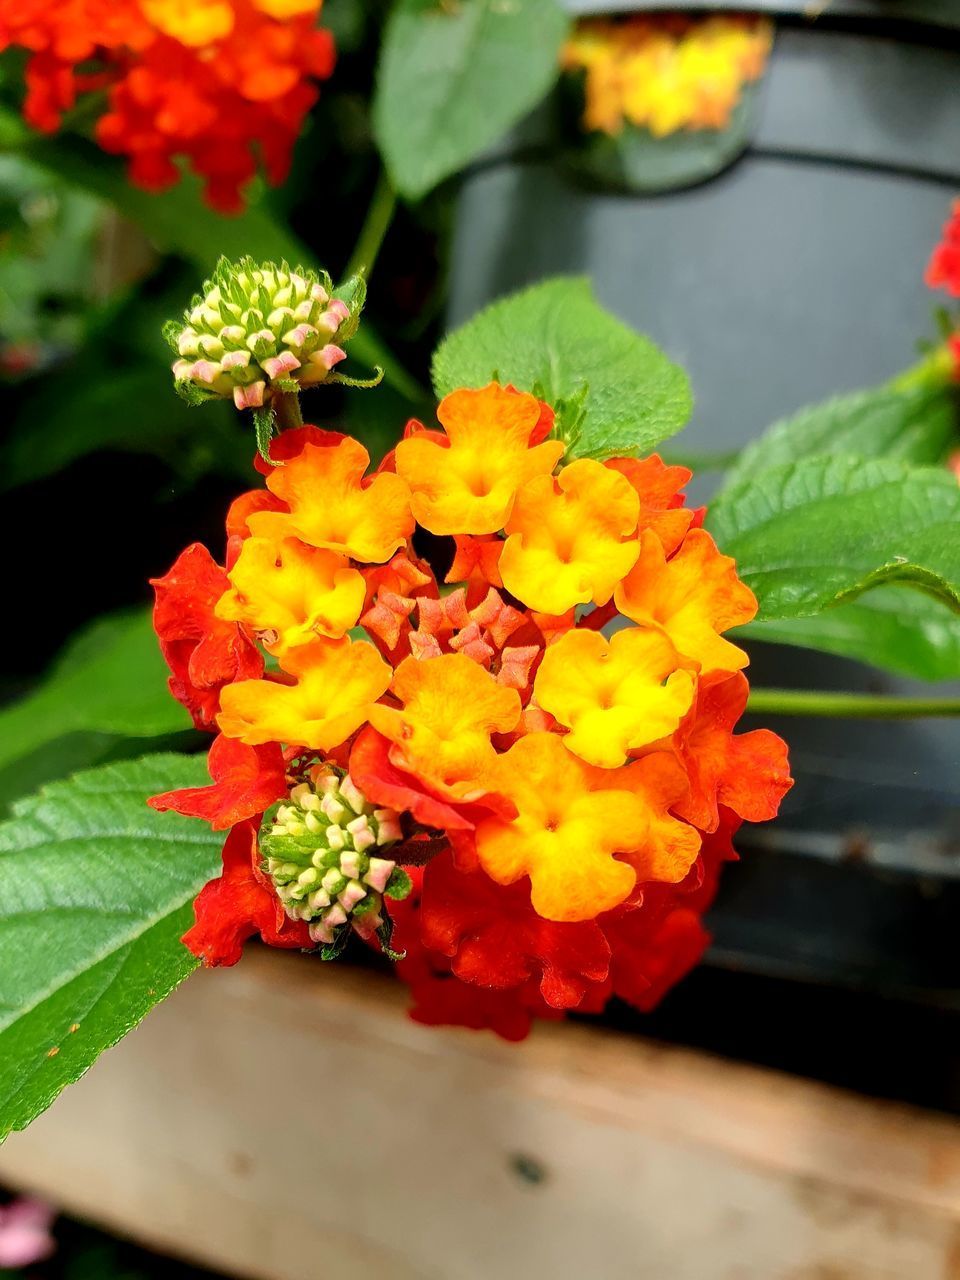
(665, 73)
(613, 695)
(289, 593)
(331, 698)
(450, 708)
(330, 507)
(570, 540)
(693, 597)
(578, 829)
(573, 796)
(465, 481)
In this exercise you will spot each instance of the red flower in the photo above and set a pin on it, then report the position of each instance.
(203, 652)
(241, 902)
(494, 938)
(746, 772)
(943, 269)
(246, 781)
(223, 85)
(442, 1000)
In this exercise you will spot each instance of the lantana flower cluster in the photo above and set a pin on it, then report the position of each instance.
(666, 72)
(943, 272)
(222, 84)
(452, 758)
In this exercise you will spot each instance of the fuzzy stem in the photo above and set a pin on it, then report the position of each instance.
(287, 408)
(383, 205)
(859, 706)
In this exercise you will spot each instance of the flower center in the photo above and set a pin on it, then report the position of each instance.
(320, 854)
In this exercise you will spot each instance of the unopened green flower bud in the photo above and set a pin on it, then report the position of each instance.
(322, 852)
(258, 329)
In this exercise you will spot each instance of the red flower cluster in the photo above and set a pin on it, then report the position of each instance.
(547, 810)
(943, 269)
(220, 83)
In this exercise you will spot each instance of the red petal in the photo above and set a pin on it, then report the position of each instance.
(238, 904)
(246, 781)
(202, 651)
(494, 938)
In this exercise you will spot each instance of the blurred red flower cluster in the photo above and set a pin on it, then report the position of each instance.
(221, 84)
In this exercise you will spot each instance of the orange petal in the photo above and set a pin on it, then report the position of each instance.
(569, 540)
(450, 707)
(468, 487)
(331, 699)
(329, 507)
(693, 596)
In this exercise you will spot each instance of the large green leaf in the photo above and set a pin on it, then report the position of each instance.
(810, 534)
(111, 679)
(94, 896)
(453, 77)
(913, 425)
(556, 339)
(902, 631)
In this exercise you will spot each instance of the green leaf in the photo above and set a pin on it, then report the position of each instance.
(110, 679)
(813, 533)
(454, 75)
(902, 631)
(95, 892)
(914, 425)
(555, 339)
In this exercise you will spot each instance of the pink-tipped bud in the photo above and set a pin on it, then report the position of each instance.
(250, 396)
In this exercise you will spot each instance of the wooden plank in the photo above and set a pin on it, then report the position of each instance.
(284, 1120)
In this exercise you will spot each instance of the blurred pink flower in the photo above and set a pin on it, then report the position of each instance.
(25, 1232)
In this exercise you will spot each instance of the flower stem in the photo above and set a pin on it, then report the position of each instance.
(859, 706)
(379, 216)
(287, 408)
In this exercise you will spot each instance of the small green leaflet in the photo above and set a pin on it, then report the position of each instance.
(621, 394)
(95, 893)
(454, 77)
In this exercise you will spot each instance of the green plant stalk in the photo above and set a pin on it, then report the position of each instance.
(286, 405)
(857, 706)
(383, 205)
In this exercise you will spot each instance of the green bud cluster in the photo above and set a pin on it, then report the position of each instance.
(321, 852)
(257, 329)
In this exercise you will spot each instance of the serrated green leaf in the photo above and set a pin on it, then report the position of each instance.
(110, 679)
(813, 533)
(94, 896)
(555, 336)
(453, 77)
(913, 425)
(901, 631)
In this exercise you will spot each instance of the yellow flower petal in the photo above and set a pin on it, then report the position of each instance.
(614, 695)
(330, 700)
(289, 594)
(570, 539)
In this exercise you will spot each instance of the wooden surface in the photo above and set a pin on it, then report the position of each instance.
(284, 1120)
